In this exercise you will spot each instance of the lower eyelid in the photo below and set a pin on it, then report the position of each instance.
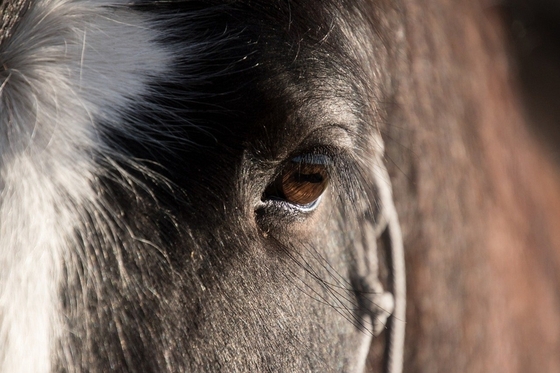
(287, 207)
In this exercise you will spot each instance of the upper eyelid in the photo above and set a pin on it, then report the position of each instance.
(332, 135)
(314, 158)
(333, 140)
(326, 155)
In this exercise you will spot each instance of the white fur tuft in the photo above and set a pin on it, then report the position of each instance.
(67, 66)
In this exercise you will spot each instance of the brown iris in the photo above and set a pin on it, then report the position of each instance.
(302, 181)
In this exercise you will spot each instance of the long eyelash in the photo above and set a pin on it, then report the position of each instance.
(340, 296)
(334, 292)
(338, 292)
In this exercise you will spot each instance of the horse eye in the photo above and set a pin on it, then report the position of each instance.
(302, 181)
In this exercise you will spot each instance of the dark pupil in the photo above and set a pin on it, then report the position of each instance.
(300, 177)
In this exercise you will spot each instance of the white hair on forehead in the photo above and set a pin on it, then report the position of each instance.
(67, 65)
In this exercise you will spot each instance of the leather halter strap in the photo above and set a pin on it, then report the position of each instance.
(384, 302)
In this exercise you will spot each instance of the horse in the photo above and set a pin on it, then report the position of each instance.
(326, 186)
